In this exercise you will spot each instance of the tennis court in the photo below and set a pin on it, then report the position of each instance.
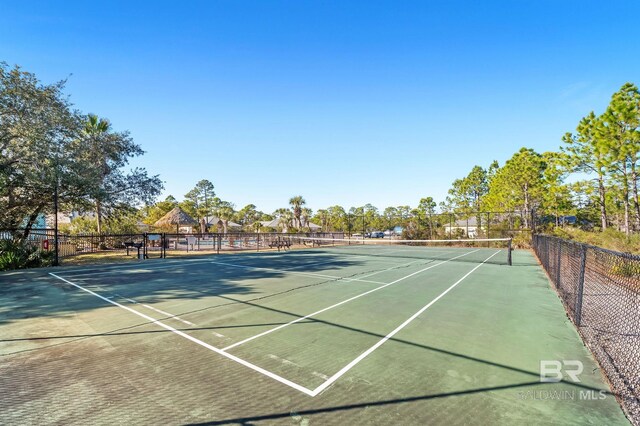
(323, 335)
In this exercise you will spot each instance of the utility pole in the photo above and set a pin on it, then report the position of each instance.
(56, 259)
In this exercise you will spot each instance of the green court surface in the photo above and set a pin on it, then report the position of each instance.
(318, 336)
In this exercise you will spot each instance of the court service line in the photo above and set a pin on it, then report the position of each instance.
(310, 264)
(264, 333)
(362, 276)
(346, 253)
(286, 271)
(109, 269)
(193, 339)
(349, 366)
(402, 265)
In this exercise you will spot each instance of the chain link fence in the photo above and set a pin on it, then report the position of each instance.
(600, 290)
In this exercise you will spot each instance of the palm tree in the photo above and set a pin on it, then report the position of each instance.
(285, 217)
(94, 129)
(306, 213)
(323, 215)
(296, 204)
(225, 213)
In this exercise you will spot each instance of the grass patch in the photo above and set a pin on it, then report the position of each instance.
(609, 239)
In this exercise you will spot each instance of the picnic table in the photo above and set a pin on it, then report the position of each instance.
(130, 244)
(284, 244)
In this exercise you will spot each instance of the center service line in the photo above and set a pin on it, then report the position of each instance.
(341, 303)
(363, 355)
(287, 271)
(193, 339)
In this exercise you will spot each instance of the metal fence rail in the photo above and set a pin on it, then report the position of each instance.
(152, 245)
(232, 241)
(600, 290)
(35, 238)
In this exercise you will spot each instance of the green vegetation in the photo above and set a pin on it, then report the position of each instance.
(21, 255)
(50, 151)
(611, 239)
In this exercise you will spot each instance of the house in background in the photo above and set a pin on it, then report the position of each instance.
(463, 227)
(312, 227)
(215, 224)
(48, 221)
(277, 225)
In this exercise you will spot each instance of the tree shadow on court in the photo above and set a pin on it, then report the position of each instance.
(535, 374)
(235, 286)
(345, 408)
(130, 331)
(32, 294)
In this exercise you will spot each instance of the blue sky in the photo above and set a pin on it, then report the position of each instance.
(342, 102)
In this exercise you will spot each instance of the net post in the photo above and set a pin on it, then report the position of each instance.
(583, 264)
(509, 261)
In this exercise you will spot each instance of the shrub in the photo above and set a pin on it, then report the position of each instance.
(626, 268)
(611, 238)
(521, 240)
(21, 255)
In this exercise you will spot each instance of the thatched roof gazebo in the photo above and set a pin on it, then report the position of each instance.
(176, 217)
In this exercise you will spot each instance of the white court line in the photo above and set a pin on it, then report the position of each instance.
(361, 277)
(193, 339)
(345, 252)
(339, 303)
(310, 264)
(168, 314)
(307, 274)
(349, 366)
(391, 268)
(157, 310)
(118, 268)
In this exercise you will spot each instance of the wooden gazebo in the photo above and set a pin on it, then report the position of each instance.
(176, 217)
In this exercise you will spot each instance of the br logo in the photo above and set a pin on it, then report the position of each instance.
(553, 371)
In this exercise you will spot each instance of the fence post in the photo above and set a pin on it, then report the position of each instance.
(258, 243)
(583, 264)
(546, 251)
(558, 257)
(488, 226)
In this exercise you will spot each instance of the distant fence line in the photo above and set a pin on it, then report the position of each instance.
(498, 224)
(152, 244)
(600, 290)
(449, 225)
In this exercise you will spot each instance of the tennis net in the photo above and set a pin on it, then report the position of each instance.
(491, 250)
